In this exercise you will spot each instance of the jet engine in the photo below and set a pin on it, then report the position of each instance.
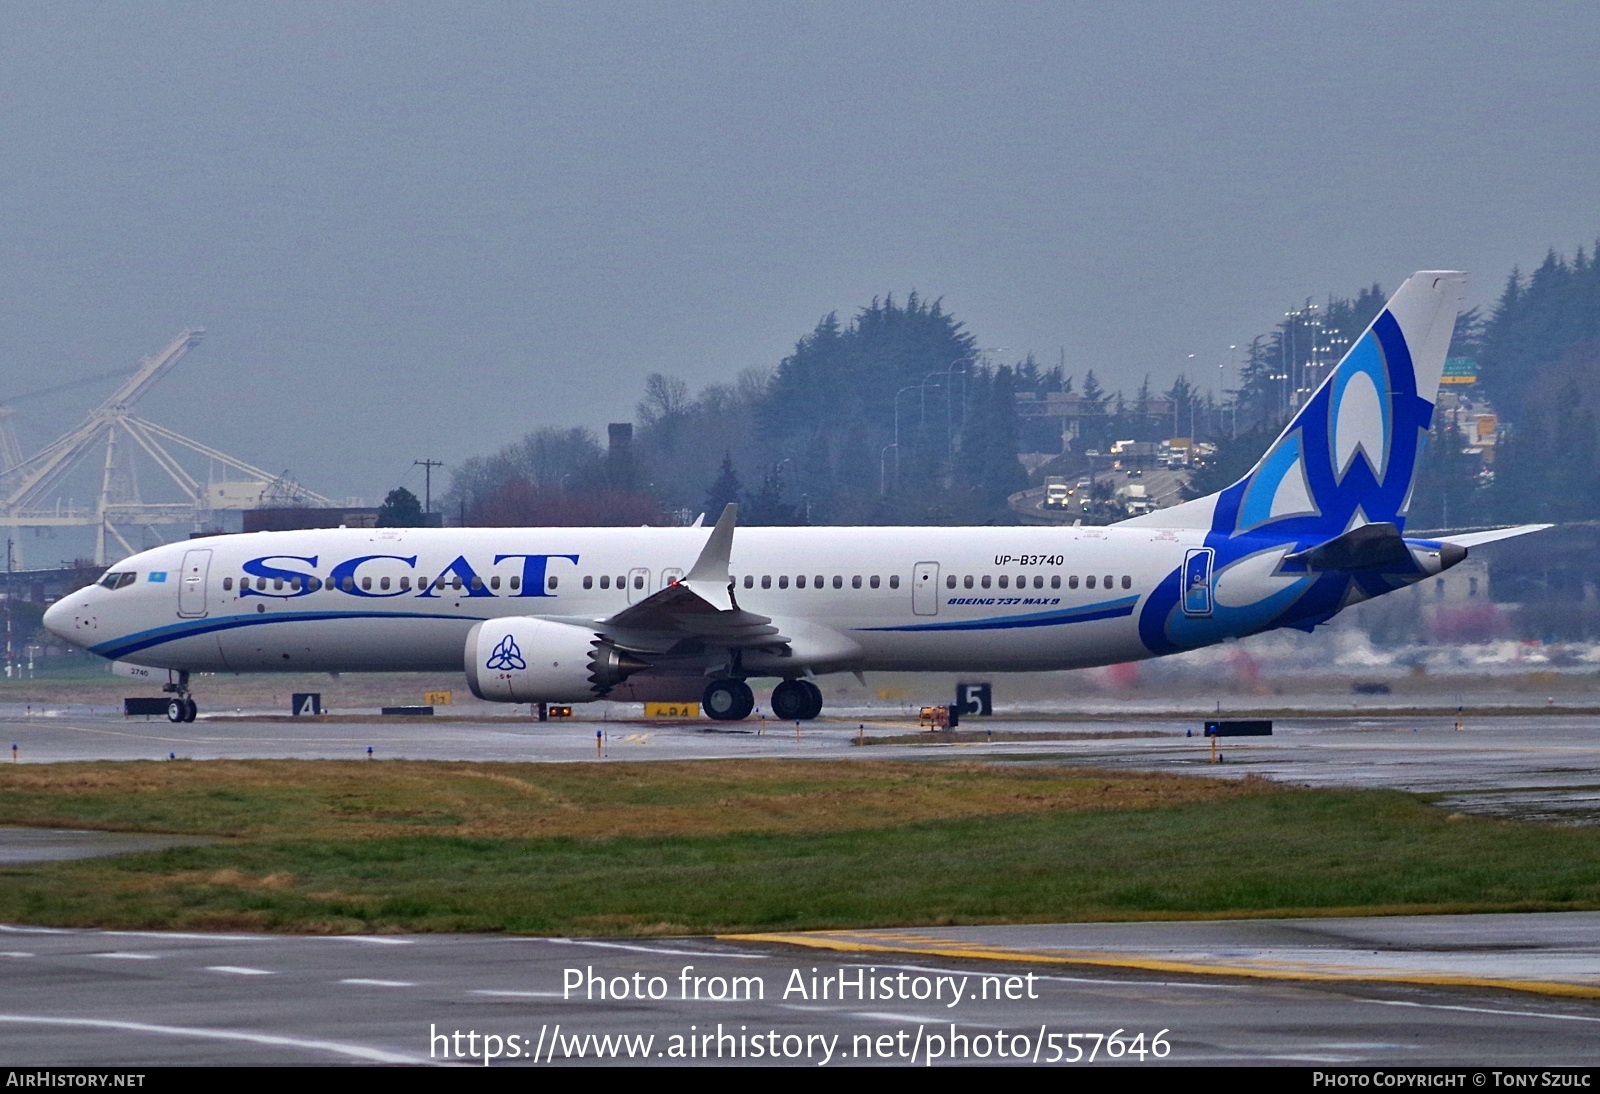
(524, 660)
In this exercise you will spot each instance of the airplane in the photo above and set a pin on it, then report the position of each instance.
(572, 615)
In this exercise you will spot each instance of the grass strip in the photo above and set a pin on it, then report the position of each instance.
(761, 846)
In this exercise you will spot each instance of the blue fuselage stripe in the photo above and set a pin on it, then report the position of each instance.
(133, 643)
(1111, 609)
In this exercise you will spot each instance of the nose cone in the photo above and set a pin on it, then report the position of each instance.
(61, 620)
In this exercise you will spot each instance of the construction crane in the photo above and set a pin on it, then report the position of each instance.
(26, 484)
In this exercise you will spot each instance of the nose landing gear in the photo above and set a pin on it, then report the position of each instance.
(181, 707)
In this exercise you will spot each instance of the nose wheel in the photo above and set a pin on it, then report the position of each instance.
(181, 707)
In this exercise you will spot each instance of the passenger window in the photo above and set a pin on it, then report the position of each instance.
(950, 582)
(1089, 581)
(766, 581)
(261, 584)
(873, 581)
(494, 582)
(1038, 581)
(749, 581)
(800, 582)
(1127, 582)
(838, 582)
(783, 581)
(477, 583)
(455, 582)
(855, 582)
(277, 584)
(984, 581)
(383, 583)
(366, 583)
(1055, 581)
(551, 582)
(818, 583)
(316, 583)
(348, 584)
(966, 582)
(1072, 582)
(1108, 581)
(1005, 581)
(622, 582)
(894, 581)
(588, 582)
(605, 582)
(405, 584)
(227, 584)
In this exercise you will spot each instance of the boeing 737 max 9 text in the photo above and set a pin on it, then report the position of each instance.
(571, 615)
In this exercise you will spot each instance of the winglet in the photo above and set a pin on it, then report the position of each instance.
(708, 577)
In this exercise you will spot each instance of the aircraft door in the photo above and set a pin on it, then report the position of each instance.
(638, 584)
(925, 588)
(1197, 582)
(192, 583)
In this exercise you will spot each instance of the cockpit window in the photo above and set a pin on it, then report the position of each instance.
(116, 580)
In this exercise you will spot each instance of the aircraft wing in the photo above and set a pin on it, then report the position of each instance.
(699, 606)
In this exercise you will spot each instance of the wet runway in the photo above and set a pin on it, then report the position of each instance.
(137, 998)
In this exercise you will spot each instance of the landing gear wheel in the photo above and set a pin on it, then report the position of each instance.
(176, 710)
(813, 700)
(190, 709)
(796, 701)
(728, 700)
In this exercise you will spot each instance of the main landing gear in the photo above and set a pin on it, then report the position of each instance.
(796, 701)
(181, 707)
(792, 701)
(728, 700)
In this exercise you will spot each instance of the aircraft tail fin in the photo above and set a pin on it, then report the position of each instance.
(1349, 456)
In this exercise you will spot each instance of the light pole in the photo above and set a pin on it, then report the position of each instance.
(902, 391)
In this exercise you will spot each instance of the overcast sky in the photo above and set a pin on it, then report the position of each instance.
(421, 230)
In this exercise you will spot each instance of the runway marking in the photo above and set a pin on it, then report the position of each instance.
(127, 956)
(239, 970)
(187, 937)
(936, 947)
(36, 930)
(358, 1052)
(519, 994)
(14, 953)
(363, 982)
(1486, 1010)
(373, 940)
(649, 949)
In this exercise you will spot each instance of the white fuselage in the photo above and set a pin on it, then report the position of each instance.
(850, 599)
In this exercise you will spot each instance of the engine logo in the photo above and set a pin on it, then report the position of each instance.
(505, 656)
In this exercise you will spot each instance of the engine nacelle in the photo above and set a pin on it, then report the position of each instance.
(523, 660)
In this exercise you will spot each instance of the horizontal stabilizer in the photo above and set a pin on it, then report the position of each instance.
(1475, 539)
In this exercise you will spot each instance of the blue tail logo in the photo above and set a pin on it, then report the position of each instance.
(1348, 458)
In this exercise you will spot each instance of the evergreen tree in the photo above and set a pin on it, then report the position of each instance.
(400, 509)
(725, 490)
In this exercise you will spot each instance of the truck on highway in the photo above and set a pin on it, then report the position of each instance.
(1136, 496)
(1057, 493)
